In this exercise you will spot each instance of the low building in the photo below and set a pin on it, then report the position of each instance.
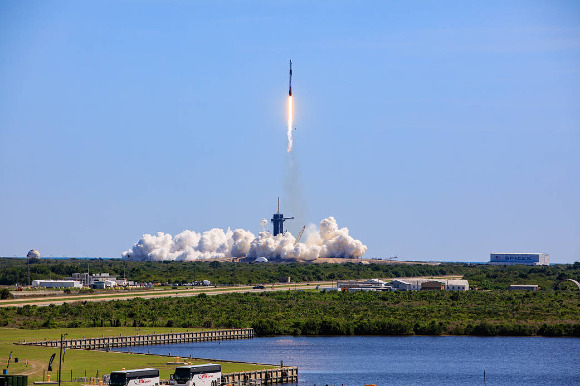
(368, 285)
(457, 285)
(407, 284)
(429, 284)
(519, 259)
(523, 287)
(57, 283)
(84, 278)
(88, 280)
(432, 286)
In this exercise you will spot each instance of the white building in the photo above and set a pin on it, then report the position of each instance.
(519, 259)
(91, 280)
(57, 283)
(368, 285)
(523, 287)
(415, 284)
(456, 285)
(407, 284)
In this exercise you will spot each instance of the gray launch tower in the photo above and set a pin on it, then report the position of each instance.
(278, 220)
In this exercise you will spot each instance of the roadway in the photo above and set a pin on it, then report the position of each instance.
(159, 293)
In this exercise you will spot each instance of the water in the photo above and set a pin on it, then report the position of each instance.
(357, 360)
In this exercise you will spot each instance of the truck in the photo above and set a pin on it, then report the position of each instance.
(209, 374)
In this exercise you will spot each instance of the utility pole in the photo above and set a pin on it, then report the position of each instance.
(60, 357)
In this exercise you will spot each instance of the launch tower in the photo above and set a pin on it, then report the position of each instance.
(278, 220)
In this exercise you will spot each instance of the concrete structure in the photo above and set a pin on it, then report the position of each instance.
(523, 287)
(457, 285)
(519, 259)
(57, 283)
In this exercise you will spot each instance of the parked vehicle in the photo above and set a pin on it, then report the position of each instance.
(138, 377)
(197, 375)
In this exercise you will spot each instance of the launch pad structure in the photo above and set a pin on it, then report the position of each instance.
(278, 221)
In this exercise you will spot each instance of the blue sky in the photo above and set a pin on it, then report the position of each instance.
(432, 130)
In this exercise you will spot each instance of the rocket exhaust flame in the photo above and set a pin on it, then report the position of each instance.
(290, 123)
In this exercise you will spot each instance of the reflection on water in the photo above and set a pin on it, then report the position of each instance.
(357, 360)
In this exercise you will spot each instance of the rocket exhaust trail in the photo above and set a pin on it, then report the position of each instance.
(290, 112)
(289, 129)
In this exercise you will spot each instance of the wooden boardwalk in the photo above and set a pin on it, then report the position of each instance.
(150, 339)
(288, 374)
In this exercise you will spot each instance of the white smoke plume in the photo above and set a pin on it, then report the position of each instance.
(329, 241)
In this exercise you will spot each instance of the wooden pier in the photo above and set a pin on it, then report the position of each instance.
(276, 376)
(150, 339)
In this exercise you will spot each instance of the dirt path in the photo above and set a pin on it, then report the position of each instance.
(35, 368)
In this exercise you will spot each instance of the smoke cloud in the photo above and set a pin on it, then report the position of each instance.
(328, 241)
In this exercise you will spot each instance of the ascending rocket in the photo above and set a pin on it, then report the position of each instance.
(290, 89)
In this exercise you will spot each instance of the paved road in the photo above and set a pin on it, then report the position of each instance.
(122, 295)
(58, 300)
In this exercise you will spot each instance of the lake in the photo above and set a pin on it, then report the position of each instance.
(416, 360)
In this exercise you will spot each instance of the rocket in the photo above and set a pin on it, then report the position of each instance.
(290, 89)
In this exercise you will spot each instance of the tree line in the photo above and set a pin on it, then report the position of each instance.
(548, 313)
(479, 275)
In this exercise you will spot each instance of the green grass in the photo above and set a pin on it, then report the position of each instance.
(92, 361)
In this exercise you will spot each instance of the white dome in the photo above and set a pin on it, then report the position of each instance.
(33, 254)
(261, 260)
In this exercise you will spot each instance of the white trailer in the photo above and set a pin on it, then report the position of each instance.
(138, 377)
(197, 375)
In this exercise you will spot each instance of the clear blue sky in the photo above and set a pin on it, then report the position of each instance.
(433, 130)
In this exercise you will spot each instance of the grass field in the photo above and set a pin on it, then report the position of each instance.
(92, 362)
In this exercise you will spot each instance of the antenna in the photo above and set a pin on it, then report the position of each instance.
(278, 205)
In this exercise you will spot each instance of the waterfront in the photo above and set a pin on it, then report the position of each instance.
(359, 360)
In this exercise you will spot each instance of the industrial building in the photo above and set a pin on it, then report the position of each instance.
(432, 286)
(407, 284)
(456, 285)
(98, 280)
(523, 287)
(368, 285)
(57, 283)
(519, 259)
(429, 284)
(402, 285)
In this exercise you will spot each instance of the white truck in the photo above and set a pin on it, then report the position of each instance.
(197, 375)
(138, 377)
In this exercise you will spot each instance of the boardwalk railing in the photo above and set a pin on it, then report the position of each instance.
(149, 339)
(279, 375)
